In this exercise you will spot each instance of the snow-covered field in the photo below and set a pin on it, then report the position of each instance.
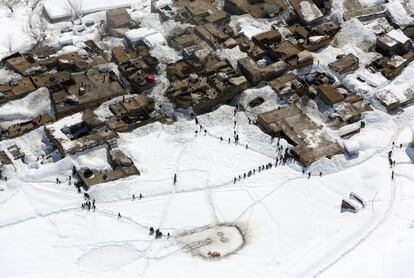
(291, 226)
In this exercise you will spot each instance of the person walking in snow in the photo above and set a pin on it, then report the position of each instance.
(221, 138)
(196, 120)
(392, 175)
(247, 146)
(309, 175)
(140, 196)
(133, 197)
(119, 215)
(151, 231)
(175, 179)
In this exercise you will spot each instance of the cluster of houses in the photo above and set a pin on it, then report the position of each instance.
(79, 82)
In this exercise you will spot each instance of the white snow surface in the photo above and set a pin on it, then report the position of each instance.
(27, 108)
(354, 33)
(287, 225)
(249, 26)
(310, 11)
(398, 13)
(291, 226)
(62, 8)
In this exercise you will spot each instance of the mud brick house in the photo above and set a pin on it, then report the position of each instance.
(118, 18)
(86, 90)
(292, 124)
(53, 81)
(15, 90)
(345, 64)
(122, 167)
(22, 128)
(329, 94)
(78, 132)
(255, 73)
(287, 86)
(308, 13)
(256, 8)
(204, 93)
(5, 159)
(133, 112)
(392, 67)
(393, 43)
(268, 38)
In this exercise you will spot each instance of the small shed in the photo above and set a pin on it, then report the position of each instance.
(352, 147)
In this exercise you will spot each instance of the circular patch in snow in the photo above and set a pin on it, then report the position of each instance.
(108, 257)
(212, 242)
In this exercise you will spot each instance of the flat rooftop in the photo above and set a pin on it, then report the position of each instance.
(310, 143)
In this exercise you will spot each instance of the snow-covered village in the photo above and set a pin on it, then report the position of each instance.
(206, 138)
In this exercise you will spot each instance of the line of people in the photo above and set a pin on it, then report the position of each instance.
(250, 173)
(391, 161)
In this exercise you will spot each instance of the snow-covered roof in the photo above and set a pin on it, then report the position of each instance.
(348, 129)
(56, 131)
(139, 34)
(310, 11)
(398, 13)
(163, 3)
(386, 97)
(398, 35)
(396, 61)
(155, 39)
(57, 9)
(352, 146)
